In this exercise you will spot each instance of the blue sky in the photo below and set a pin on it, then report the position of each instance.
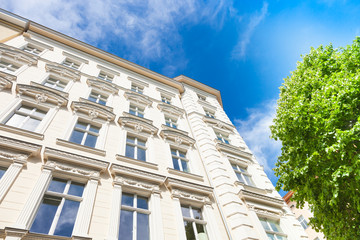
(243, 48)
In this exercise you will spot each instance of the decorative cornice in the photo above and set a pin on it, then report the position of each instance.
(240, 161)
(177, 137)
(135, 184)
(171, 109)
(239, 151)
(190, 196)
(60, 156)
(18, 55)
(103, 85)
(122, 171)
(93, 110)
(41, 95)
(13, 156)
(218, 124)
(186, 174)
(207, 105)
(165, 127)
(137, 162)
(137, 98)
(249, 196)
(173, 183)
(26, 147)
(166, 93)
(61, 93)
(138, 124)
(63, 71)
(5, 83)
(138, 82)
(84, 100)
(8, 76)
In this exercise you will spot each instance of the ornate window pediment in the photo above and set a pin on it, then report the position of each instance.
(138, 124)
(19, 146)
(63, 72)
(70, 163)
(171, 110)
(17, 55)
(219, 125)
(136, 180)
(103, 85)
(189, 192)
(6, 80)
(178, 137)
(232, 150)
(137, 98)
(249, 196)
(61, 93)
(41, 95)
(93, 110)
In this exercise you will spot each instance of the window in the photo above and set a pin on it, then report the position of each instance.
(55, 83)
(58, 210)
(2, 171)
(193, 223)
(222, 138)
(85, 134)
(70, 63)
(165, 99)
(8, 67)
(272, 229)
(134, 218)
(170, 122)
(137, 88)
(179, 160)
(32, 49)
(135, 148)
(209, 113)
(97, 98)
(242, 175)
(106, 77)
(201, 97)
(303, 221)
(26, 117)
(137, 111)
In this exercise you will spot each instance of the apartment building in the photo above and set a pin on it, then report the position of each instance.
(96, 147)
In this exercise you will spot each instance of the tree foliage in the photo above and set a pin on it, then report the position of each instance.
(318, 123)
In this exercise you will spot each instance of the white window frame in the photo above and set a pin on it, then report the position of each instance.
(165, 99)
(303, 222)
(195, 221)
(63, 197)
(7, 64)
(106, 76)
(179, 159)
(71, 64)
(238, 170)
(201, 97)
(18, 102)
(209, 113)
(99, 96)
(275, 234)
(137, 110)
(33, 49)
(135, 211)
(136, 146)
(87, 131)
(57, 80)
(137, 88)
(221, 137)
(171, 122)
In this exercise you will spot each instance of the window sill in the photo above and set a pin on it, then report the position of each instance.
(185, 174)
(137, 162)
(80, 147)
(251, 188)
(21, 132)
(53, 237)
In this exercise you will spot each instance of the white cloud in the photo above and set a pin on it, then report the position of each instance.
(239, 51)
(149, 28)
(256, 133)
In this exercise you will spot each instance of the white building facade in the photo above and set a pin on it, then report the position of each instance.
(95, 147)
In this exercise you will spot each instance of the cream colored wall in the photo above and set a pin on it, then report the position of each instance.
(7, 33)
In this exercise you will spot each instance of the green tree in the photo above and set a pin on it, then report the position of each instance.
(318, 123)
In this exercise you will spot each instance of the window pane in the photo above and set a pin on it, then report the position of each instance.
(142, 226)
(182, 154)
(45, 215)
(57, 185)
(185, 211)
(265, 225)
(129, 151)
(141, 154)
(141, 143)
(15, 120)
(190, 234)
(39, 113)
(76, 137)
(132, 112)
(91, 98)
(67, 218)
(140, 115)
(239, 176)
(200, 229)
(81, 125)
(176, 164)
(127, 199)
(197, 213)
(90, 140)
(275, 226)
(126, 225)
(184, 165)
(2, 172)
(173, 152)
(31, 124)
(94, 129)
(248, 180)
(76, 189)
(130, 140)
(234, 166)
(102, 102)
(142, 202)
(26, 109)
(271, 236)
